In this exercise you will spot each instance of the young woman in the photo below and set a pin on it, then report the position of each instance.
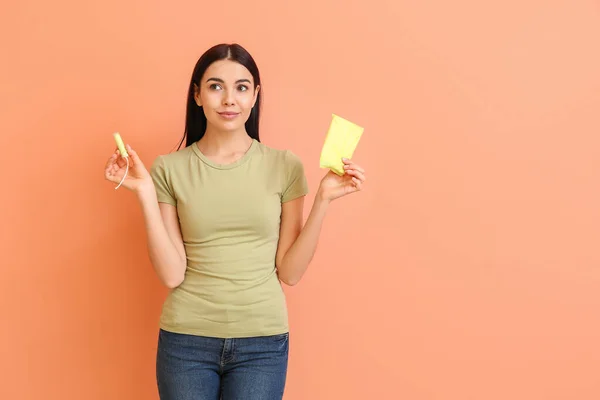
(224, 225)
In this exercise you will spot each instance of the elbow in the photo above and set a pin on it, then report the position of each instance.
(172, 282)
(171, 275)
(289, 274)
(289, 280)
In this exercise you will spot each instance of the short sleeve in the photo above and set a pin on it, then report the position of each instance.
(295, 184)
(164, 190)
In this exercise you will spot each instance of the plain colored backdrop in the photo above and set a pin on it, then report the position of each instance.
(468, 269)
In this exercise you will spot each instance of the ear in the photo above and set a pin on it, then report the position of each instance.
(197, 95)
(256, 95)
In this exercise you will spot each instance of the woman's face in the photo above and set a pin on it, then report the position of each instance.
(227, 95)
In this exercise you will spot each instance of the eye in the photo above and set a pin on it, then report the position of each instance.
(242, 88)
(215, 86)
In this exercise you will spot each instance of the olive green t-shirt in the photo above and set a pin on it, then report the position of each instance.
(229, 216)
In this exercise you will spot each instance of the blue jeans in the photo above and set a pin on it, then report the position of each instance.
(204, 368)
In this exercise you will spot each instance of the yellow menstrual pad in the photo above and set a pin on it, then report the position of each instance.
(340, 142)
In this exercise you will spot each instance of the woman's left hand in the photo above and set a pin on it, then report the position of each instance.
(334, 186)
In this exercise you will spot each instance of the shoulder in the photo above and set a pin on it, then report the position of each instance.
(171, 160)
(284, 157)
(290, 170)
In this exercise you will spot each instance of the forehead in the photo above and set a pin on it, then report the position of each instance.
(228, 71)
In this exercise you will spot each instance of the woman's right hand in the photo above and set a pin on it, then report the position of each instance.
(137, 176)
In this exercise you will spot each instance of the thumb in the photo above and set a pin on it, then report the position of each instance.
(134, 156)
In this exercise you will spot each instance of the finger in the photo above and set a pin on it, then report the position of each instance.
(111, 160)
(355, 173)
(115, 169)
(352, 165)
(134, 156)
(357, 183)
(111, 165)
(114, 173)
(109, 175)
(121, 162)
(110, 168)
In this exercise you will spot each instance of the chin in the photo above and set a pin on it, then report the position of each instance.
(223, 125)
(229, 126)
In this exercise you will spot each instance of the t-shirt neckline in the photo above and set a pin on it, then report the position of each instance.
(231, 165)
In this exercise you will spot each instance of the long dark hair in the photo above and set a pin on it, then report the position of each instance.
(195, 120)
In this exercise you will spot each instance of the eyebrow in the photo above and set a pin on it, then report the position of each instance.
(222, 81)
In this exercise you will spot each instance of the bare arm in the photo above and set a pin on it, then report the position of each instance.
(297, 244)
(165, 244)
(163, 233)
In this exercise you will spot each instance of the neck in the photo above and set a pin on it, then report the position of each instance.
(222, 142)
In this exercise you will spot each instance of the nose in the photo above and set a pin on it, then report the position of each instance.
(228, 98)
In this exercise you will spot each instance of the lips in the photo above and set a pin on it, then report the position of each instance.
(228, 114)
